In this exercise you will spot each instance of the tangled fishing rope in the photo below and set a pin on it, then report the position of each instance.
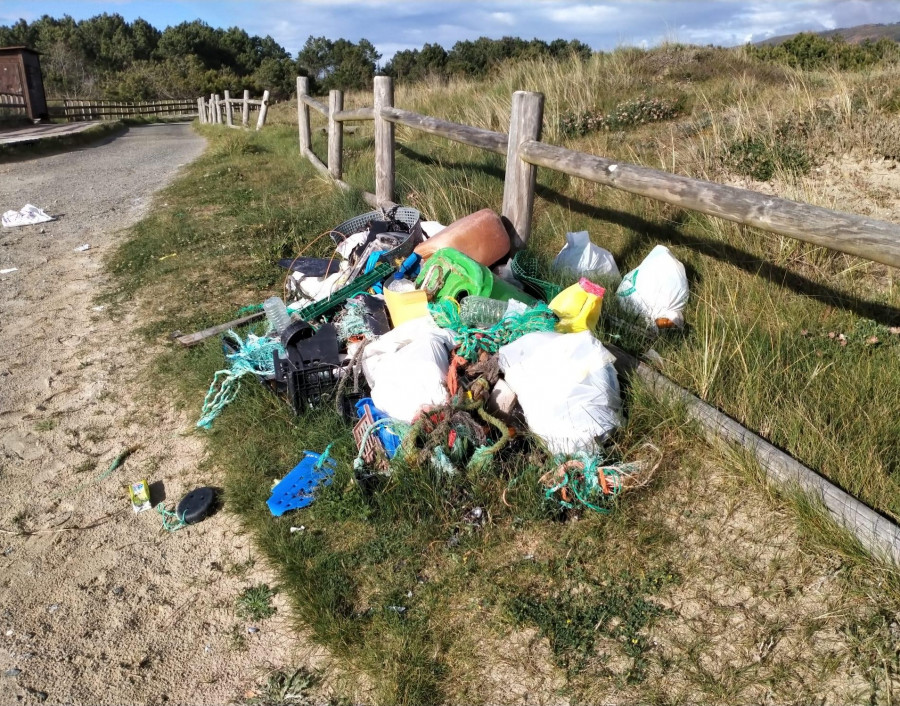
(584, 479)
(253, 356)
(471, 341)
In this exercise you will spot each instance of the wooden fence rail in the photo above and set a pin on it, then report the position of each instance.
(869, 238)
(222, 111)
(75, 109)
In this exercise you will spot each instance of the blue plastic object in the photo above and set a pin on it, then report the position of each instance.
(388, 438)
(409, 267)
(297, 489)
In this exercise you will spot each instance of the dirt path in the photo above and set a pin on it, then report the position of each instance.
(121, 612)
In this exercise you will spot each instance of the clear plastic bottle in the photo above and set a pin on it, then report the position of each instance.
(481, 312)
(277, 314)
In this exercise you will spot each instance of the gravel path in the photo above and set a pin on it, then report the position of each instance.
(116, 611)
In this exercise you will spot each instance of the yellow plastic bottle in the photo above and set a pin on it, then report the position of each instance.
(578, 307)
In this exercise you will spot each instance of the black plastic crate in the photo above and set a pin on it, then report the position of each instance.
(310, 386)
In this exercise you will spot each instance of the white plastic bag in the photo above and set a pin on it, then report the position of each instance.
(26, 216)
(567, 387)
(580, 255)
(407, 368)
(657, 289)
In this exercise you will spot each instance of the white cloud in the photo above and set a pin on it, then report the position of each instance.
(503, 18)
(581, 15)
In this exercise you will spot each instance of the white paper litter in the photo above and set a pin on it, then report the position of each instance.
(83, 248)
(29, 215)
(8, 270)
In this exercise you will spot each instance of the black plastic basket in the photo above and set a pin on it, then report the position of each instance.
(311, 386)
(405, 214)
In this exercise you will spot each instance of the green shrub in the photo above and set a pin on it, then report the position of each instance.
(759, 159)
(628, 114)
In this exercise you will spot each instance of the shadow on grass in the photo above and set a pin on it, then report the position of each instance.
(748, 262)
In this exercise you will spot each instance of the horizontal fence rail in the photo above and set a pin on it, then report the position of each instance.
(855, 235)
(473, 136)
(875, 240)
(218, 110)
(353, 115)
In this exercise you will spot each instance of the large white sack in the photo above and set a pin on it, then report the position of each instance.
(657, 288)
(407, 368)
(580, 255)
(567, 386)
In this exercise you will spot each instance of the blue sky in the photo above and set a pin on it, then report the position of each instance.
(405, 24)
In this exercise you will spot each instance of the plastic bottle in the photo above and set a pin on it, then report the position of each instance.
(481, 312)
(277, 314)
(578, 307)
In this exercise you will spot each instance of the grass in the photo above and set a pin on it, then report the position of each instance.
(705, 585)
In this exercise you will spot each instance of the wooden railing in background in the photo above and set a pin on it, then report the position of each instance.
(12, 104)
(75, 109)
(220, 111)
(864, 237)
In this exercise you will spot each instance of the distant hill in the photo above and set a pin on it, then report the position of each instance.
(853, 35)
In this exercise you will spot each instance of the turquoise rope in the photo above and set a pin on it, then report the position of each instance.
(170, 525)
(254, 356)
(471, 341)
(587, 487)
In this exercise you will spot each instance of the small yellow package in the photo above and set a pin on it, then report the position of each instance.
(140, 496)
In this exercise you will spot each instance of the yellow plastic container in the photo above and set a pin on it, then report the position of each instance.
(404, 306)
(578, 307)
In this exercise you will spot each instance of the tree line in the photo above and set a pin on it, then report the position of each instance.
(107, 57)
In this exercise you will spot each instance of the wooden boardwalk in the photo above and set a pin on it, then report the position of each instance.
(40, 132)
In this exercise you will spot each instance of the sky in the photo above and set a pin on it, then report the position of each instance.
(392, 25)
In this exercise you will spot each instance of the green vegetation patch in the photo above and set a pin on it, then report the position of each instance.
(395, 578)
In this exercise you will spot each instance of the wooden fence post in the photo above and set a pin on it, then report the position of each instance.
(229, 112)
(518, 188)
(201, 110)
(218, 108)
(335, 133)
(384, 141)
(303, 114)
(263, 109)
(245, 109)
(212, 107)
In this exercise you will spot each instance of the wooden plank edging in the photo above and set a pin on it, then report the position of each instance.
(877, 534)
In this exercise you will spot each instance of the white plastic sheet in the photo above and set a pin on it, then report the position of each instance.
(407, 368)
(28, 215)
(567, 387)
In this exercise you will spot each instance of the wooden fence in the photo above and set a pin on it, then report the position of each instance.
(864, 237)
(75, 109)
(221, 111)
(12, 104)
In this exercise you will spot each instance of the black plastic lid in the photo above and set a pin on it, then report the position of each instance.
(196, 505)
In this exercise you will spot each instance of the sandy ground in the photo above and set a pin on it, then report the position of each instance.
(115, 610)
